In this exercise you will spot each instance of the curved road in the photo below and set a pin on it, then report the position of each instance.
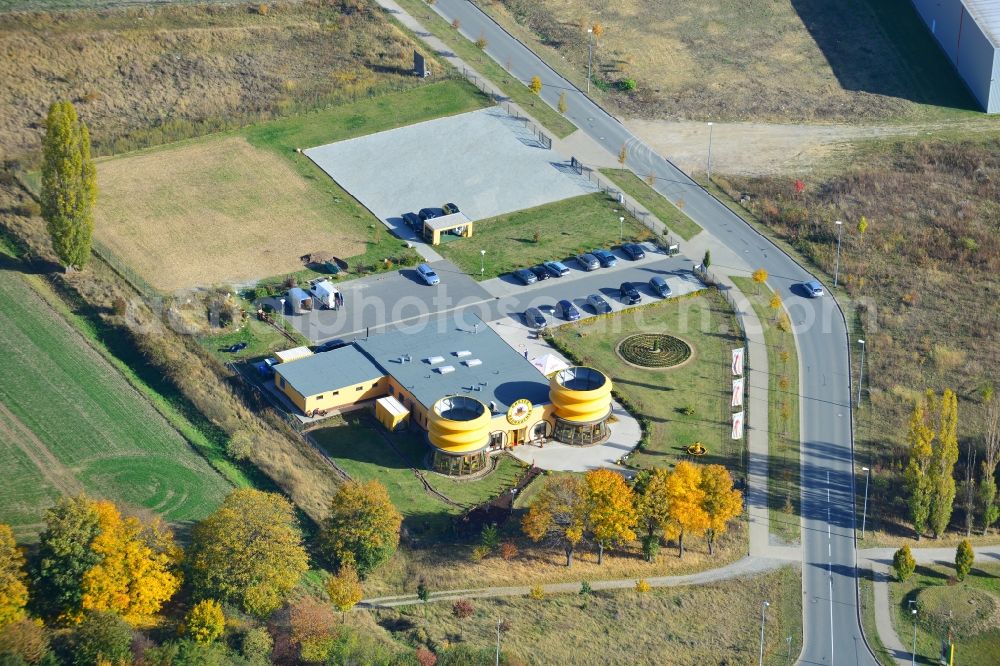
(832, 633)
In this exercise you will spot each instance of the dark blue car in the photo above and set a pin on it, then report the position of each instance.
(567, 311)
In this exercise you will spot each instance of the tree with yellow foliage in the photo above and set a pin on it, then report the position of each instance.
(775, 303)
(13, 591)
(597, 29)
(204, 622)
(344, 589)
(653, 506)
(917, 473)
(686, 501)
(137, 570)
(610, 509)
(249, 552)
(722, 503)
(559, 514)
(362, 528)
(535, 85)
(759, 277)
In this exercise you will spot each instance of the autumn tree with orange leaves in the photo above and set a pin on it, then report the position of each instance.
(721, 502)
(559, 514)
(686, 502)
(13, 591)
(610, 509)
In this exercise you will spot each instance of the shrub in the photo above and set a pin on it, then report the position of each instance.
(481, 43)
(537, 592)
(456, 24)
(627, 85)
(585, 588)
(256, 646)
(490, 537)
(964, 557)
(425, 657)
(480, 552)
(903, 563)
(687, 410)
(462, 609)
(101, 638)
(205, 622)
(25, 640)
(508, 551)
(642, 586)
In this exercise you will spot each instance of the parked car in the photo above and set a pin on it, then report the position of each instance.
(588, 262)
(659, 286)
(629, 293)
(598, 304)
(449, 208)
(413, 221)
(330, 345)
(427, 274)
(239, 346)
(606, 258)
(429, 213)
(534, 319)
(556, 268)
(541, 272)
(633, 251)
(566, 310)
(813, 288)
(265, 368)
(526, 276)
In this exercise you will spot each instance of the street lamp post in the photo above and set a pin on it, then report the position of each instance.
(710, 126)
(498, 642)
(836, 270)
(861, 371)
(621, 230)
(788, 653)
(482, 262)
(762, 609)
(590, 56)
(913, 652)
(864, 513)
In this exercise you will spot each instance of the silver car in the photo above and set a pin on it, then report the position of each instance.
(588, 262)
(598, 304)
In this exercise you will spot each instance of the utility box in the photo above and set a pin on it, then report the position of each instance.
(420, 67)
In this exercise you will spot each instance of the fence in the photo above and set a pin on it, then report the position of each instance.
(124, 270)
(503, 102)
(643, 217)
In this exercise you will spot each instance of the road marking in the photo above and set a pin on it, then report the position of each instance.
(831, 615)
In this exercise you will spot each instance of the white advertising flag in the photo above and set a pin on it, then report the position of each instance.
(738, 392)
(738, 425)
(738, 362)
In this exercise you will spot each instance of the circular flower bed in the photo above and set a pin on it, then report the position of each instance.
(654, 350)
(968, 611)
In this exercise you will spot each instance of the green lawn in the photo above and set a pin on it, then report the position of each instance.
(654, 202)
(554, 121)
(364, 454)
(784, 494)
(564, 229)
(70, 422)
(936, 593)
(660, 397)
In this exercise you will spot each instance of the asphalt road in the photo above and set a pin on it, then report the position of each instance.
(832, 631)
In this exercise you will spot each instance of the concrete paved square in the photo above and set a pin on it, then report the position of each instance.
(486, 162)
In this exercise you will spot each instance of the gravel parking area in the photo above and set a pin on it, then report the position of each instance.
(486, 162)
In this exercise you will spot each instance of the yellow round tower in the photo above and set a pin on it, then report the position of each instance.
(458, 428)
(581, 397)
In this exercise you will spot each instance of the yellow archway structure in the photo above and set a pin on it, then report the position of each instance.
(458, 427)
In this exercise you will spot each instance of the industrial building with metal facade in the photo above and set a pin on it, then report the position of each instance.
(460, 383)
(969, 33)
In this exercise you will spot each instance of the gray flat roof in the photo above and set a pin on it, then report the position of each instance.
(329, 370)
(446, 221)
(483, 366)
(986, 13)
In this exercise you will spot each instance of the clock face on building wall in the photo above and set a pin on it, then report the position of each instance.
(519, 412)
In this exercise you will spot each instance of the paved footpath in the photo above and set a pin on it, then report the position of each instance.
(748, 566)
(880, 561)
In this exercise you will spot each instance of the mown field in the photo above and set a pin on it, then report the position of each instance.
(70, 423)
(238, 207)
(707, 624)
(681, 405)
(555, 231)
(807, 60)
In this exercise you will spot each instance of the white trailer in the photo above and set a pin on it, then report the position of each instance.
(325, 294)
(299, 302)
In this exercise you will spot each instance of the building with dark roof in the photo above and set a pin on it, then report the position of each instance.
(461, 383)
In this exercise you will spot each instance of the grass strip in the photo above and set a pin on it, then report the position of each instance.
(675, 219)
(783, 492)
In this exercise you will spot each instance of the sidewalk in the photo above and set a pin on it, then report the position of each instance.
(880, 561)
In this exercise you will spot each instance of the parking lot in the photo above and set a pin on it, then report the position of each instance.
(403, 299)
(485, 161)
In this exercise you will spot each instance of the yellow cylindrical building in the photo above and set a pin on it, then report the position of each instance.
(458, 428)
(581, 400)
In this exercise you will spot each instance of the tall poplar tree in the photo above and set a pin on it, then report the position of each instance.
(919, 437)
(942, 469)
(69, 185)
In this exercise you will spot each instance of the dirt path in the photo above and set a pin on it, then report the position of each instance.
(53, 471)
(763, 149)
